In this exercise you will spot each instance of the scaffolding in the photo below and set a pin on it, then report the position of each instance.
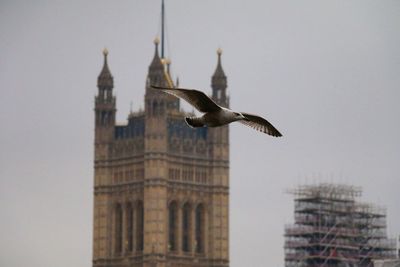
(332, 228)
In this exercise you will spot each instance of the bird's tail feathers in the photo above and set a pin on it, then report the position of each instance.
(194, 122)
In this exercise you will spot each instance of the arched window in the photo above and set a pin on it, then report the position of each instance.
(186, 228)
(118, 228)
(172, 226)
(200, 225)
(139, 226)
(129, 227)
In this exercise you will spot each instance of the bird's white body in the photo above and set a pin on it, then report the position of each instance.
(221, 117)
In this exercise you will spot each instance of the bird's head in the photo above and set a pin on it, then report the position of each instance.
(239, 116)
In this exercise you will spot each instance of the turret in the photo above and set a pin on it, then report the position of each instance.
(156, 69)
(104, 105)
(155, 161)
(218, 140)
(157, 103)
(220, 135)
(219, 83)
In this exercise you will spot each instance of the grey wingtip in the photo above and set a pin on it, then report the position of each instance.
(278, 134)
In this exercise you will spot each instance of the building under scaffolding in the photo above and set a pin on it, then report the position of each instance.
(332, 229)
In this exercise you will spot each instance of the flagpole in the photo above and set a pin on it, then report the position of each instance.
(162, 28)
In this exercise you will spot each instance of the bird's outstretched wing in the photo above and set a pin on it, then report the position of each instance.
(197, 99)
(260, 124)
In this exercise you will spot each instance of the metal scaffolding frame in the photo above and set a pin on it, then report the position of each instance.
(332, 228)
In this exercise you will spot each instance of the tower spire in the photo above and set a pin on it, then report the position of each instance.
(162, 28)
(104, 105)
(105, 79)
(219, 83)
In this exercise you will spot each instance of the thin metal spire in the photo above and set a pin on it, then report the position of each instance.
(162, 28)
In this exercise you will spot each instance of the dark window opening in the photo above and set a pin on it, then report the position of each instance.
(172, 226)
(186, 228)
(129, 224)
(118, 228)
(139, 226)
(200, 229)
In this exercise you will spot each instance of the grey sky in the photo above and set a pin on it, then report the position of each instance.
(325, 73)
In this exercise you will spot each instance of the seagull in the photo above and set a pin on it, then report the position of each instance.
(215, 115)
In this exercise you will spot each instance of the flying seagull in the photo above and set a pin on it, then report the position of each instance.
(215, 115)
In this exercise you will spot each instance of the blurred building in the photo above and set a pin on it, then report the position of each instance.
(332, 228)
(387, 263)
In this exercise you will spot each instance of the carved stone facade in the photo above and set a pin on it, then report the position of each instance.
(161, 188)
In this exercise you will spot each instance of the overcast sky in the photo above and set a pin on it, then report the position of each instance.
(325, 73)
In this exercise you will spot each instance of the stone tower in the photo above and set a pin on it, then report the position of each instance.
(161, 188)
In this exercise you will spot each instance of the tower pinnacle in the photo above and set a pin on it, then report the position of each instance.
(219, 83)
(105, 79)
(104, 106)
(156, 63)
(219, 72)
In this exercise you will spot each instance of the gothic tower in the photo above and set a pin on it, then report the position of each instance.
(161, 188)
